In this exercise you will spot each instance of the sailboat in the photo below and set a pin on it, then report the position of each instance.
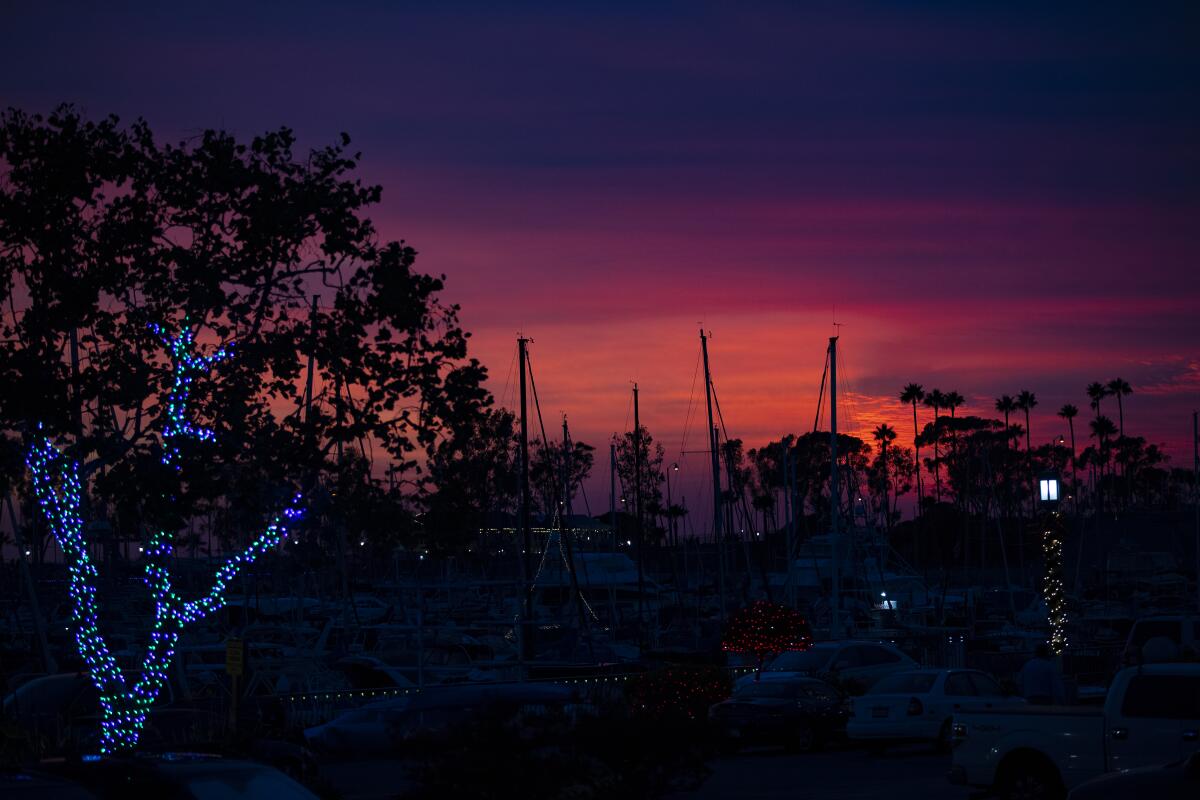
(851, 574)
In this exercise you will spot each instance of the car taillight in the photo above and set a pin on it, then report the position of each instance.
(915, 709)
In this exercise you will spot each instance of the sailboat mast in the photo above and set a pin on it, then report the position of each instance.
(612, 491)
(564, 533)
(834, 493)
(526, 534)
(713, 443)
(637, 504)
(790, 544)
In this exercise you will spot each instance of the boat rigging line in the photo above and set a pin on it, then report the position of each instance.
(687, 418)
(821, 395)
(560, 510)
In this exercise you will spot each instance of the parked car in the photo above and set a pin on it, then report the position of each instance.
(62, 712)
(181, 776)
(919, 706)
(58, 709)
(797, 714)
(1151, 716)
(37, 785)
(852, 665)
(383, 726)
(1178, 781)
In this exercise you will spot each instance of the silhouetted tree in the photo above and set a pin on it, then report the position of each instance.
(937, 401)
(891, 473)
(1006, 405)
(104, 230)
(652, 477)
(953, 400)
(1103, 430)
(546, 471)
(1120, 388)
(1027, 401)
(1096, 392)
(1069, 413)
(474, 478)
(884, 435)
(912, 394)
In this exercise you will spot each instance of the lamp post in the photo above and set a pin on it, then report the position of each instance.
(1049, 494)
(672, 538)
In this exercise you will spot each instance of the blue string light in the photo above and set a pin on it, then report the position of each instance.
(58, 489)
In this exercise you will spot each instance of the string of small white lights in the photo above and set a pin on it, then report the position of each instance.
(1052, 588)
(58, 490)
(568, 569)
(541, 563)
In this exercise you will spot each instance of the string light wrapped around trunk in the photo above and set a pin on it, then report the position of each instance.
(1052, 582)
(56, 483)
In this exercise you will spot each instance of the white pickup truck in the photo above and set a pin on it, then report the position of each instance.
(1150, 716)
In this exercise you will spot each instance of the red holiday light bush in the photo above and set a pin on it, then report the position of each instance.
(678, 692)
(763, 629)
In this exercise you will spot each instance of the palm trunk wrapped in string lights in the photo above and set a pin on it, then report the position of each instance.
(125, 701)
(1052, 582)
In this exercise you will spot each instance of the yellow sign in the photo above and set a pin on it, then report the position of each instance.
(235, 656)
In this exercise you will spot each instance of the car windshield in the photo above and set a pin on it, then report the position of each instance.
(809, 660)
(908, 683)
(779, 689)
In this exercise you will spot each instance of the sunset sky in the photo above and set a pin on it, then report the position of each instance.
(988, 199)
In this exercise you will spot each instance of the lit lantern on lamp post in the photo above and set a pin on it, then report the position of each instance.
(1048, 490)
(1049, 495)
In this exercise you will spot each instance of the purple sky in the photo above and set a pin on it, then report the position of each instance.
(992, 198)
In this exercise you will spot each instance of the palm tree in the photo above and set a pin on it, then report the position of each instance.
(1005, 404)
(1103, 428)
(1121, 388)
(1097, 391)
(1088, 457)
(1026, 401)
(937, 401)
(1069, 412)
(915, 393)
(885, 434)
(953, 400)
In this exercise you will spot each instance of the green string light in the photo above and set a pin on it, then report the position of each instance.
(58, 489)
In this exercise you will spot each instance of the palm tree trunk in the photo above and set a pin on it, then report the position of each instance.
(1029, 468)
(887, 514)
(937, 465)
(917, 462)
(1074, 479)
